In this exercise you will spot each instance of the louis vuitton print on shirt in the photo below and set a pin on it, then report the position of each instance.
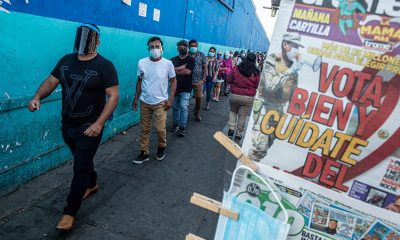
(83, 87)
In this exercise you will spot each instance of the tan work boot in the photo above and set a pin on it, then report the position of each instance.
(66, 223)
(90, 191)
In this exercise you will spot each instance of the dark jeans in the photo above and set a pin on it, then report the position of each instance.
(208, 87)
(83, 148)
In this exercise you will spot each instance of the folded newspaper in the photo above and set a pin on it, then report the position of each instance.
(311, 215)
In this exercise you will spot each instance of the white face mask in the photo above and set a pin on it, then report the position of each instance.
(155, 53)
(292, 53)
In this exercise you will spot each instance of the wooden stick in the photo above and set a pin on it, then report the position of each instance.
(193, 237)
(235, 150)
(213, 205)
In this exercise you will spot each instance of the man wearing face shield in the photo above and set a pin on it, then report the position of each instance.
(184, 65)
(89, 85)
(278, 81)
(154, 73)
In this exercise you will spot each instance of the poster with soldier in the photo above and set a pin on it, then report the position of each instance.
(327, 107)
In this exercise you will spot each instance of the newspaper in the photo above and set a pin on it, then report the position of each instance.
(329, 98)
(314, 211)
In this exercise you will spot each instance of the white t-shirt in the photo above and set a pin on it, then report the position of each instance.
(155, 77)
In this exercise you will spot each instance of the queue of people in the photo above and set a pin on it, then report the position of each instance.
(90, 93)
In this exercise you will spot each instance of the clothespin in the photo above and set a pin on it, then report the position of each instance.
(235, 150)
(213, 205)
(193, 237)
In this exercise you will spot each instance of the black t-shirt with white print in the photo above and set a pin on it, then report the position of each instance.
(83, 87)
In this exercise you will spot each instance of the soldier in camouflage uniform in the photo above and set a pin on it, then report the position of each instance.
(278, 81)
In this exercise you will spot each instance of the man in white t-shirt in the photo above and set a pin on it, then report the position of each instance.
(154, 74)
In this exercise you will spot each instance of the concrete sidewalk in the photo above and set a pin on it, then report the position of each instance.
(148, 201)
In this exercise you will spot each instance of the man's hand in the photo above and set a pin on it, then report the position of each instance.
(34, 105)
(168, 104)
(94, 130)
(181, 67)
(45, 89)
(135, 104)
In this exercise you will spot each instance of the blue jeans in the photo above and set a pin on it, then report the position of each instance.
(208, 87)
(180, 109)
(83, 148)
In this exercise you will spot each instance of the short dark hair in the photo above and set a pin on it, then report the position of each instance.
(193, 41)
(213, 48)
(183, 43)
(153, 39)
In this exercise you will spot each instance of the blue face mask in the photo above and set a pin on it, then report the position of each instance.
(252, 224)
(211, 54)
(193, 49)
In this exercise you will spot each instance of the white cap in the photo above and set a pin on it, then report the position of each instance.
(293, 37)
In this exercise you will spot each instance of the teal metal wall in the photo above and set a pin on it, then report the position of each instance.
(30, 46)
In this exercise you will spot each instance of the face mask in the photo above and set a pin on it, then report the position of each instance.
(155, 53)
(211, 54)
(293, 53)
(219, 57)
(226, 56)
(183, 51)
(253, 223)
(231, 55)
(242, 55)
(193, 49)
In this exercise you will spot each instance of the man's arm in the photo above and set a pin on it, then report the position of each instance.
(45, 89)
(183, 71)
(180, 67)
(172, 93)
(137, 94)
(112, 101)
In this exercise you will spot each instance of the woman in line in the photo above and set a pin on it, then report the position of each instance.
(220, 78)
(244, 80)
(225, 69)
(211, 76)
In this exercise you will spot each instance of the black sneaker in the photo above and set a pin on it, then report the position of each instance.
(141, 158)
(181, 132)
(160, 153)
(174, 128)
(230, 133)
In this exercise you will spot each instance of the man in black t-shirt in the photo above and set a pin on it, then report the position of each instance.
(89, 85)
(184, 65)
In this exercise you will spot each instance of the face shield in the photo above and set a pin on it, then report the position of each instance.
(86, 39)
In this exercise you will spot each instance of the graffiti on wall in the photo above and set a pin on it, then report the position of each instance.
(3, 6)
